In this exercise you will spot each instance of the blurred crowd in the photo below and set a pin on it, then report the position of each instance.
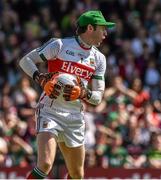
(125, 129)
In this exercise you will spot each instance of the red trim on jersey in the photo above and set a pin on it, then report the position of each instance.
(83, 47)
(81, 70)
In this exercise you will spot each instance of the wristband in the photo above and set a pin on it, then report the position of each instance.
(36, 76)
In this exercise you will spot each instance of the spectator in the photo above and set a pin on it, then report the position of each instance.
(136, 158)
(117, 154)
(152, 79)
(155, 151)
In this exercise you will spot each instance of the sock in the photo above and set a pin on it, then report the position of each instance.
(36, 174)
(69, 177)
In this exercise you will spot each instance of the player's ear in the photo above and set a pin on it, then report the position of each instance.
(90, 28)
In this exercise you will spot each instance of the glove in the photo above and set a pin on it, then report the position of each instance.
(74, 92)
(48, 83)
(42, 78)
(53, 88)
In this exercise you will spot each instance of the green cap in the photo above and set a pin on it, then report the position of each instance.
(94, 18)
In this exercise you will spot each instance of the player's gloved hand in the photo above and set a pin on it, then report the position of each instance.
(42, 78)
(53, 88)
(78, 91)
(48, 83)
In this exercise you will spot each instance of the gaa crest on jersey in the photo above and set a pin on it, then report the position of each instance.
(92, 62)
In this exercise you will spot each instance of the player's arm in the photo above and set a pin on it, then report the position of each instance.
(93, 95)
(29, 63)
(48, 50)
(79, 91)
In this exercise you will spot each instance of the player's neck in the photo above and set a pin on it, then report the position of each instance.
(83, 42)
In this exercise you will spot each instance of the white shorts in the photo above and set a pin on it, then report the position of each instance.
(67, 127)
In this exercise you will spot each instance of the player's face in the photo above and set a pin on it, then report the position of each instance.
(98, 35)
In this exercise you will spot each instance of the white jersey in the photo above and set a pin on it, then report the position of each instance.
(68, 56)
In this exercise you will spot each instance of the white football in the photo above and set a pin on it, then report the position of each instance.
(63, 79)
(66, 79)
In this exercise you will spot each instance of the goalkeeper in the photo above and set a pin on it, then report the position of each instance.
(60, 121)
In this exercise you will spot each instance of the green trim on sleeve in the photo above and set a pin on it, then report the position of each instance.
(97, 77)
(43, 57)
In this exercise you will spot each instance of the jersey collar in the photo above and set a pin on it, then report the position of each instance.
(82, 43)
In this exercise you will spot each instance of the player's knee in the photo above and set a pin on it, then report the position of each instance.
(77, 174)
(45, 166)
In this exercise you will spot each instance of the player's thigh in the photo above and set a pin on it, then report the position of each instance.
(74, 156)
(46, 144)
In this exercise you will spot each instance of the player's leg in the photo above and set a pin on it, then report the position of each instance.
(74, 159)
(46, 151)
(46, 145)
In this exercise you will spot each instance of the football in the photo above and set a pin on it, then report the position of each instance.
(63, 79)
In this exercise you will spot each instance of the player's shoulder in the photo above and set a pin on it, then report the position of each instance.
(50, 43)
(68, 39)
(51, 40)
(56, 40)
(59, 42)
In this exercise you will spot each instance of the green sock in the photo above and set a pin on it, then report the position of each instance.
(36, 174)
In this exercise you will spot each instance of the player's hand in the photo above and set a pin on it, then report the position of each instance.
(42, 78)
(74, 92)
(48, 83)
(52, 88)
